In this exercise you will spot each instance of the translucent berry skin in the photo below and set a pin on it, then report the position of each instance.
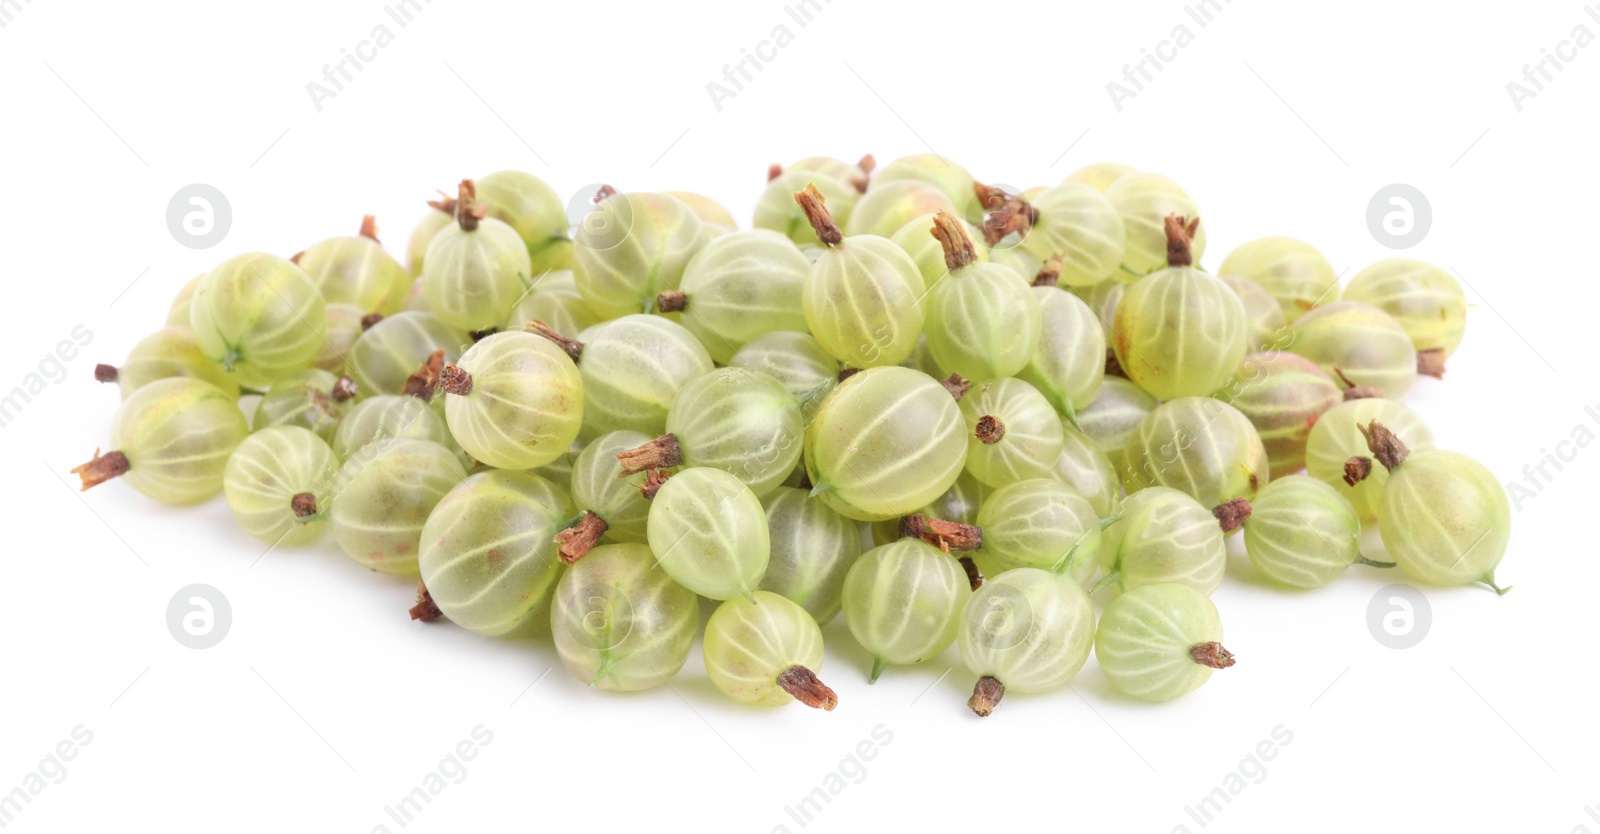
(889, 206)
(1200, 446)
(848, 172)
(1265, 327)
(1293, 271)
(930, 169)
(267, 471)
(1179, 333)
(1444, 519)
(1145, 636)
(389, 352)
(776, 210)
(718, 221)
(1144, 200)
(1427, 301)
(631, 247)
(1302, 532)
(177, 435)
(903, 602)
(473, 278)
(1103, 300)
(1100, 175)
(257, 317)
(1039, 524)
(597, 485)
(750, 641)
(488, 555)
(1080, 224)
(178, 312)
(554, 300)
(632, 371)
(386, 418)
(1032, 439)
(1361, 340)
(1030, 629)
(339, 337)
(739, 421)
(1114, 415)
(1283, 395)
(813, 548)
(172, 351)
(385, 496)
(534, 211)
(525, 406)
(304, 399)
(1336, 439)
(1164, 536)
(927, 252)
(741, 286)
(796, 360)
(1070, 362)
(1088, 471)
(861, 302)
(619, 622)
(885, 442)
(983, 322)
(355, 270)
(422, 235)
(709, 532)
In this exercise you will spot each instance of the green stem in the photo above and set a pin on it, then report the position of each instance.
(1488, 579)
(1108, 520)
(1362, 560)
(307, 519)
(1110, 579)
(878, 665)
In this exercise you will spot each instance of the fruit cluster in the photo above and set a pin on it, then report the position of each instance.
(949, 411)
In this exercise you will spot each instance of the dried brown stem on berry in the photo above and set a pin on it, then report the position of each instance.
(1049, 275)
(866, 166)
(105, 373)
(295, 258)
(344, 389)
(803, 684)
(1180, 233)
(986, 696)
(671, 301)
(1003, 213)
(445, 203)
(1232, 514)
(1386, 446)
(453, 380)
(661, 453)
(1114, 365)
(422, 382)
(816, 208)
(990, 430)
(578, 539)
(370, 319)
(957, 385)
(369, 228)
(101, 469)
(1356, 470)
(774, 171)
(468, 211)
(1430, 362)
(303, 504)
(1211, 654)
(974, 576)
(951, 232)
(603, 193)
(945, 535)
(573, 347)
(480, 335)
(652, 483)
(1353, 391)
(425, 610)
(846, 373)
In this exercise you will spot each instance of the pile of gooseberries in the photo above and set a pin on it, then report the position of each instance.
(955, 415)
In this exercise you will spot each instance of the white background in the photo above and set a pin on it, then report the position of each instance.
(324, 703)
